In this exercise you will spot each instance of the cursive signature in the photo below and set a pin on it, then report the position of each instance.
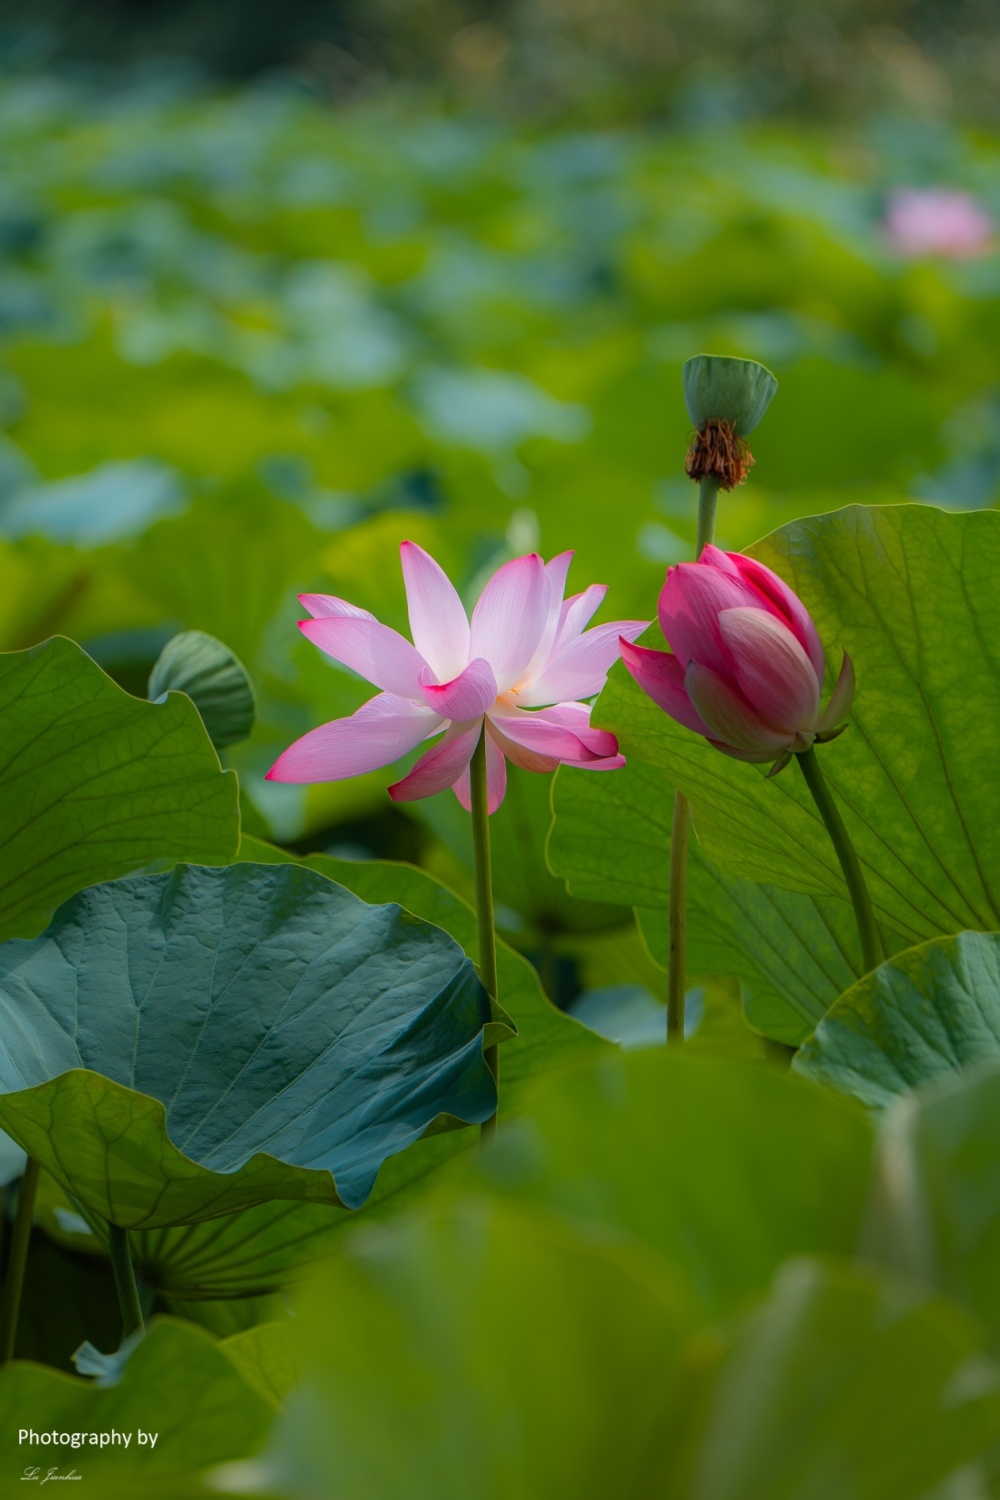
(43, 1476)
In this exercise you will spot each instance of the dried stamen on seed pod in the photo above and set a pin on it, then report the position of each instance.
(718, 451)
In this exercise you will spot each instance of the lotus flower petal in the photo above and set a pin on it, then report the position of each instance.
(510, 619)
(580, 668)
(322, 606)
(466, 697)
(438, 622)
(776, 593)
(691, 600)
(771, 670)
(732, 722)
(661, 677)
(378, 654)
(441, 766)
(380, 732)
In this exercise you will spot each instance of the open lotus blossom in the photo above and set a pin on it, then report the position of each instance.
(518, 668)
(937, 221)
(747, 664)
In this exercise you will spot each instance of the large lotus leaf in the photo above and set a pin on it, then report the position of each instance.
(264, 1357)
(794, 953)
(930, 1011)
(421, 1384)
(177, 1383)
(95, 783)
(846, 1382)
(397, 1337)
(908, 591)
(724, 1143)
(181, 1046)
(547, 1038)
(938, 1213)
(262, 1246)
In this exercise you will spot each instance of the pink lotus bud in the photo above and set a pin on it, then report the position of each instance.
(747, 665)
(937, 221)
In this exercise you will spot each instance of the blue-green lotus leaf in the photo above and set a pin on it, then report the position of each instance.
(182, 1046)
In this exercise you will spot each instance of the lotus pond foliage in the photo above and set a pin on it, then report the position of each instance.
(392, 1106)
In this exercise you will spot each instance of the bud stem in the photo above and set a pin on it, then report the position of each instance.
(708, 494)
(872, 950)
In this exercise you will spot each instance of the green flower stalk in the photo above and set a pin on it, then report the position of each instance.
(725, 400)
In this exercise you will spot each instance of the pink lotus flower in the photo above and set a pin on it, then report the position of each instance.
(747, 665)
(524, 649)
(937, 221)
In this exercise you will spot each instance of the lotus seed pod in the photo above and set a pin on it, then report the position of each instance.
(735, 391)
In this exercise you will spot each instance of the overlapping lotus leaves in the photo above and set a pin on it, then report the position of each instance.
(630, 1398)
(908, 774)
(182, 1046)
(178, 1382)
(95, 783)
(262, 1247)
(930, 1012)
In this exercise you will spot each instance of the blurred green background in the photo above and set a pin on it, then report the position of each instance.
(283, 285)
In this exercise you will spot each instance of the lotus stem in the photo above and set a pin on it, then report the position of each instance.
(125, 1283)
(10, 1306)
(484, 905)
(872, 949)
(708, 494)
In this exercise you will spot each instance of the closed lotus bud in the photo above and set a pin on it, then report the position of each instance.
(214, 678)
(726, 399)
(747, 665)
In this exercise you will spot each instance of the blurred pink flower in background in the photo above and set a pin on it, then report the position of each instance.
(937, 221)
(747, 665)
(525, 648)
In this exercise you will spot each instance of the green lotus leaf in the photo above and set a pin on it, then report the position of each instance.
(630, 1397)
(937, 1216)
(419, 1383)
(178, 1383)
(181, 1046)
(263, 1246)
(725, 1143)
(264, 1357)
(214, 679)
(95, 783)
(931, 1011)
(846, 1381)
